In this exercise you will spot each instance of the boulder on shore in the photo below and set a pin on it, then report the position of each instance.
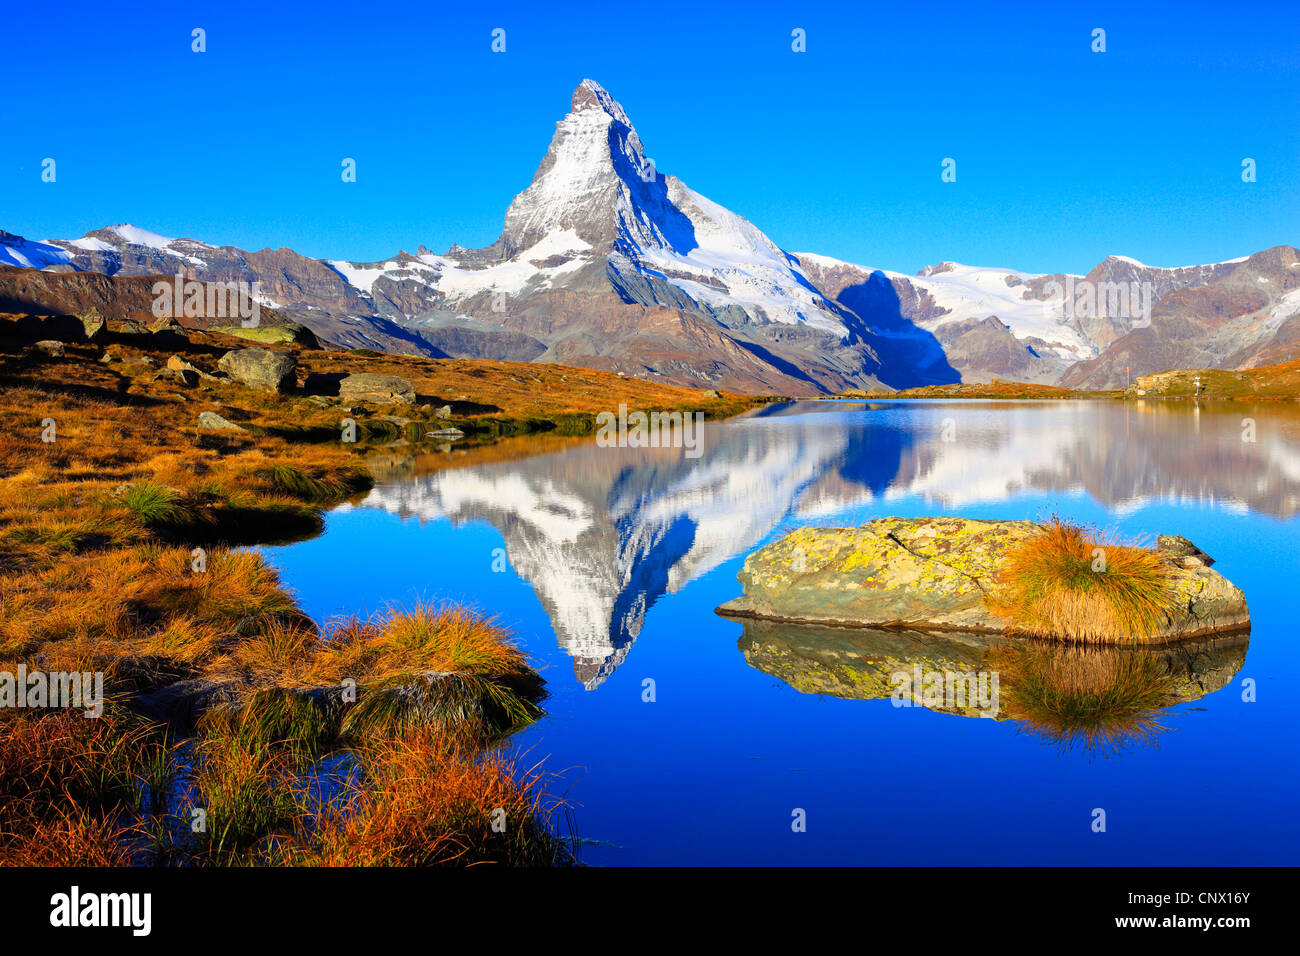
(931, 574)
(379, 389)
(260, 368)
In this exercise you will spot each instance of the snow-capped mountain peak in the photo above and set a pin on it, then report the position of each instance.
(596, 181)
(599, 213)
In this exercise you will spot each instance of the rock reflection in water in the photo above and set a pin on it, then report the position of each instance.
(1098, 700)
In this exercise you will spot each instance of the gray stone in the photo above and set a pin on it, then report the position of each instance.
(212, 422)
(260, 368)
(1179, 546)
(51, 347)
(379, 389)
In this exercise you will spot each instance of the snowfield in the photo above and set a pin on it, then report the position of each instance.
(979, 292)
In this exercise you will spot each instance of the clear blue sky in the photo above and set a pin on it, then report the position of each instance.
(1063, 155)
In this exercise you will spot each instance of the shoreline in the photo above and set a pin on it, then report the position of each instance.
(122, 536)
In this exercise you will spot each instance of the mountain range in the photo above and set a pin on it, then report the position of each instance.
(606, 262)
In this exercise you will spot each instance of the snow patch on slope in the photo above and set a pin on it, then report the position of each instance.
(141, 237)
(448, 277)
(974, 292)
(730, 249)
(27, 254)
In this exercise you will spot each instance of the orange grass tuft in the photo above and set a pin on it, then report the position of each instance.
(435, 801)
(1053, 585)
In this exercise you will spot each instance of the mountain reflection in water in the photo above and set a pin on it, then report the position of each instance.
(602, 533)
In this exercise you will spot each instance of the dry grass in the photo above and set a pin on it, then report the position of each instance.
(1052, 585)
(525, 389)
(445, 665)
(246, 785)
(434, 800)
(68, 837)
(999, 389)
(69, 785)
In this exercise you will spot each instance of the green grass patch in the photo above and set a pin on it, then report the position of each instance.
(156, 505)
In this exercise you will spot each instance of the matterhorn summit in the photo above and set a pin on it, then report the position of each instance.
(594, 181)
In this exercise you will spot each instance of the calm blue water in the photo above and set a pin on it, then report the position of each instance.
(611, 561)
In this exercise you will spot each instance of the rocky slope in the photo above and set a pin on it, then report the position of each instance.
(1245, 314)
(45, 292)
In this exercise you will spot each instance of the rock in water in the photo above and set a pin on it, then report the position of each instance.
(929, 574)
(380, 389)
(260, 368)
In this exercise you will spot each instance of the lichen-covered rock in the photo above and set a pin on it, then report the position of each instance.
(260, 368)
(380, 389)
(929, 574)
(92, 323)
(1177, 545)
